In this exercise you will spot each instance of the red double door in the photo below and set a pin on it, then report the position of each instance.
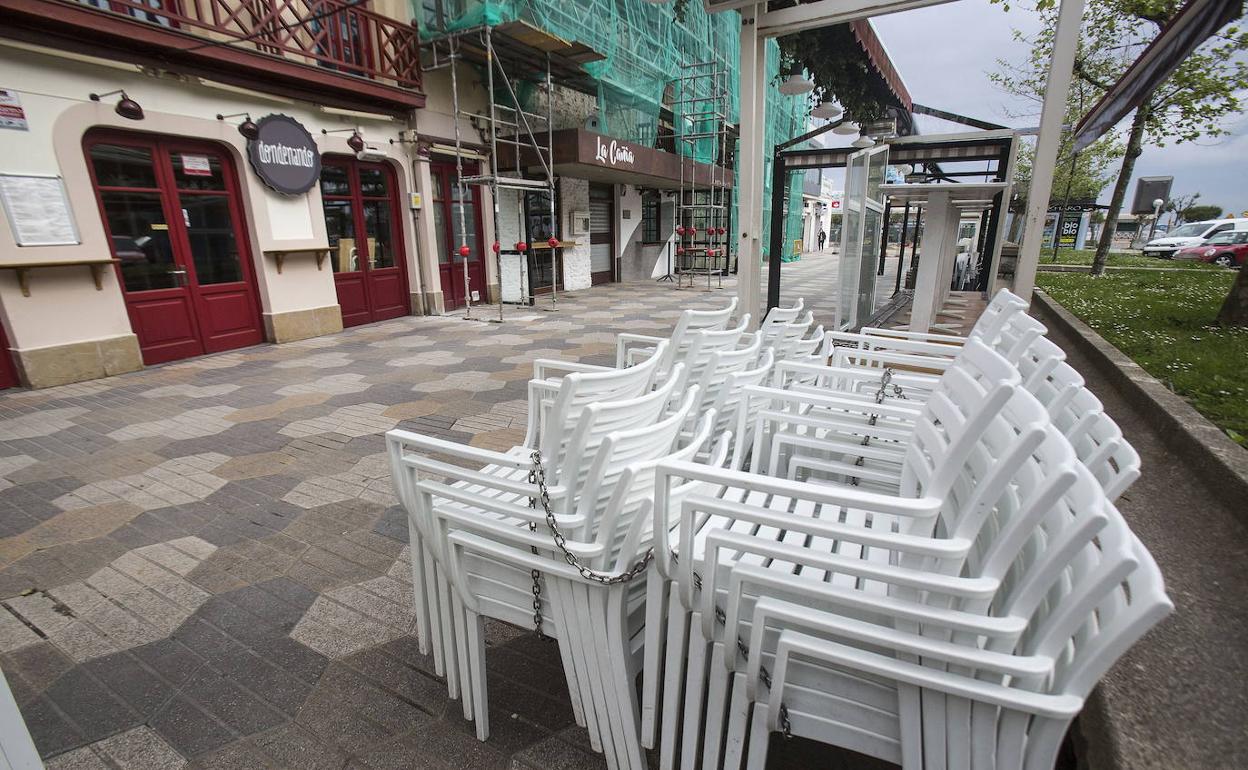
(175, 224)
(448, 207)
(365, 242)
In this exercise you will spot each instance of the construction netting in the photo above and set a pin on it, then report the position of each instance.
(648, 51)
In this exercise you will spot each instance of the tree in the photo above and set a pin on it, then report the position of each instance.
(1200, 213)
(1234, 311)
(1191, 104)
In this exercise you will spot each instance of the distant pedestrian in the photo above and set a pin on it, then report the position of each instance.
(823, 236)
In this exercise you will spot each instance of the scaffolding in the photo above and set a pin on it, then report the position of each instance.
(701, 118)
(505, 123)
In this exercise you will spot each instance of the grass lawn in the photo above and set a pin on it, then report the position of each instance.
(1118, 259)
(1165, 322)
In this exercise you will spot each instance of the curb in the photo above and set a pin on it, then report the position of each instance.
(1222, 462)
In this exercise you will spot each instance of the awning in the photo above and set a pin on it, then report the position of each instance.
(589, 155)
(1192, 26)
(874, 48)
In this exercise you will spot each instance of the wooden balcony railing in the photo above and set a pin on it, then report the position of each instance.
(337, 35)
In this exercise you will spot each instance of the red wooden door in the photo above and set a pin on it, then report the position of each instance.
(172, 213)
(366, 243)
(447, 206)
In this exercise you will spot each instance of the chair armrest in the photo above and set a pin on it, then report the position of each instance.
(624, 339)
(546, 368)
(455, 449)
(785, 616)
(952, 340)
(793, 644)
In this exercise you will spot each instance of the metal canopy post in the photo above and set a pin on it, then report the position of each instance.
(1057, 85)
(752, 102)
(901, 251)
(888, 210)
(776, 247)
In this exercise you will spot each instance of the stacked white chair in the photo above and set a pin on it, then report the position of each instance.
(902, 544)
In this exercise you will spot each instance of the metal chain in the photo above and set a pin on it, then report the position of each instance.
(886, 379)
(535, 573)
(538, 476)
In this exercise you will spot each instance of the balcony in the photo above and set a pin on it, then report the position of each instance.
(333, 52)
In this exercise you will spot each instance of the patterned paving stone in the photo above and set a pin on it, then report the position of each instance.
(317, 361)
(45, 422)
(334, 384)
(354, 617)
(471, 381)
(228, 586)
(368, 479)
(190, 391)
(191, 424)
(173, 482)
(354, 420)
(139, 598)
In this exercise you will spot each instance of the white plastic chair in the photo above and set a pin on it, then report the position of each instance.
(492, 567)
(977, 716)
(631, 348)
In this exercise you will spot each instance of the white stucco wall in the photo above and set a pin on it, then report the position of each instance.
(574, 204)
(54, 90)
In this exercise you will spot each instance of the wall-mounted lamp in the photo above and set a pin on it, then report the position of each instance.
(356, 142)
(126, 107)
(247, 128)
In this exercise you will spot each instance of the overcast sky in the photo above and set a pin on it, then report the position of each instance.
(945, 52)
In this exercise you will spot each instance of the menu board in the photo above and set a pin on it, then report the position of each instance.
(38, 210)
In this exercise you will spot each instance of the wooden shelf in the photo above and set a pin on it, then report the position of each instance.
(23, 270)
(546, 246)
(280, 257)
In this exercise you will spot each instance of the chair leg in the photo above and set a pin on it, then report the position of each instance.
(622, 671)
(564, 624)
(432, 600)
(716, 702)
(695, 691)
(673, 680)
(589, 652)
(759, 738)
(476, 664)
(738, 724)
(576, 644)
(420, 599)
(461, 652)
(448, 632)
(652, 670)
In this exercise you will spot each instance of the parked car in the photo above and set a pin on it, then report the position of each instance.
(1228, 249)
(1190, 234)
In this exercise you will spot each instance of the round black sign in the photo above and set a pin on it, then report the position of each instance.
(284, 155)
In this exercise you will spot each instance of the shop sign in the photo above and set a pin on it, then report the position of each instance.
(613, 152)
(284, 155)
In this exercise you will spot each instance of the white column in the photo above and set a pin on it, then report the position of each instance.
(1056, 87)
(932, 254)
(749, 171)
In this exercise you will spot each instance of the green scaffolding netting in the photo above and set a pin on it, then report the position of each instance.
(647, 50)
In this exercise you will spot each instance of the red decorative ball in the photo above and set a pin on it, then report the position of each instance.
(497, 247)
(464, 250)
(680, 229)
(693, 231)
(522, 246)
(553, 241)
(680, 250)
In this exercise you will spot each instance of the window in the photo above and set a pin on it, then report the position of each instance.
(651, 214)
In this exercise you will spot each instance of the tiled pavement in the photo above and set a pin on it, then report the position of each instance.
(203, 564)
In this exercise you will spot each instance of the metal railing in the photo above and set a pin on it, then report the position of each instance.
(338, 35)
